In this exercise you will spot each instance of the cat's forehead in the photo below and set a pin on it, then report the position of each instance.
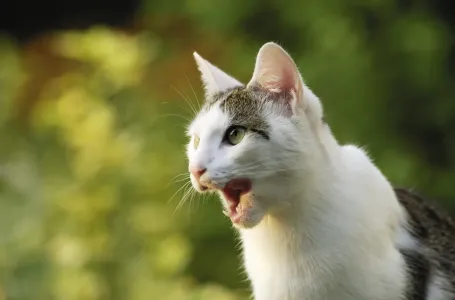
(242, 106)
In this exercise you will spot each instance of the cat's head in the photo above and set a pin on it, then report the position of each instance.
(253, 143)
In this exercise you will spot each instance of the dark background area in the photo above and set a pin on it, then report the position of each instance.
(25, 20)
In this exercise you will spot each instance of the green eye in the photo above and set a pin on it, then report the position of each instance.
(196, 141)
(235, 134)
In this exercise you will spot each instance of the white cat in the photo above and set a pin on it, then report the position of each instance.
(318, 220)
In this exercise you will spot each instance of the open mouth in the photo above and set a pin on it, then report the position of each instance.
(233, 192)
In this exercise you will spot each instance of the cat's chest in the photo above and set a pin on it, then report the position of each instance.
(271, 281)
(276, 268)
(287, 279)
(271, 261)
(285, 269)
(290, 277)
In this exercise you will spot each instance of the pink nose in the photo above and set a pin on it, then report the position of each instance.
(197, 172)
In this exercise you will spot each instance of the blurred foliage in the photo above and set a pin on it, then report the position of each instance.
(92, 136)
(85, 183)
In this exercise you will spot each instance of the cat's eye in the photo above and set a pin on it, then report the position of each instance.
(235, 134)
(196, 141)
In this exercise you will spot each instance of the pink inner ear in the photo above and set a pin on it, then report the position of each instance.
(278, 80)
(276, 71)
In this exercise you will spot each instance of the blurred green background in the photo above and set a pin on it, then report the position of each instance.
(92, 122)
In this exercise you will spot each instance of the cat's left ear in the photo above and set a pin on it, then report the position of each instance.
(213, 78)
(276, 72)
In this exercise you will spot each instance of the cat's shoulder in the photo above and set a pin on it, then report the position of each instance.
(353, 154)
(433, 226)
(432, 263)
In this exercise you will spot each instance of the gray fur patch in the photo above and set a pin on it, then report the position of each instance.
(435, 231)
(249, 107)
(245, 107)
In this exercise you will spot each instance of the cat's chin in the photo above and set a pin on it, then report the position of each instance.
(245, 214)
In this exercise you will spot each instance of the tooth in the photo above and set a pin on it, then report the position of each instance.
(226, 213)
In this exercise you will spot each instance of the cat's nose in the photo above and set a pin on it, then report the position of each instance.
(197, 171)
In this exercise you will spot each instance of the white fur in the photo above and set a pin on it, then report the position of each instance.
(439, 290)
(325, 222)
(213, 78)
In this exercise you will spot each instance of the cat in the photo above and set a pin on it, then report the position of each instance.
(317, 220)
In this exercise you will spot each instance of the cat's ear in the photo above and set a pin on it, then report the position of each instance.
(213, 78)
(276, 72)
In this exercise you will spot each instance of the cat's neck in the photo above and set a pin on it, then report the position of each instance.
(328, 201)
(294, 244)
(307, 215)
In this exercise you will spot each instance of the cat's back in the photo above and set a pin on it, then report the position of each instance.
(431, 261)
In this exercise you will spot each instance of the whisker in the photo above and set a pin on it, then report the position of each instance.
(193, 109)
(192, 197)
(182, 179)
(183, 107)
(182, 199)
(188, 192)
(178, 191)
(177, 178)
(194, 92)
(175, 115)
